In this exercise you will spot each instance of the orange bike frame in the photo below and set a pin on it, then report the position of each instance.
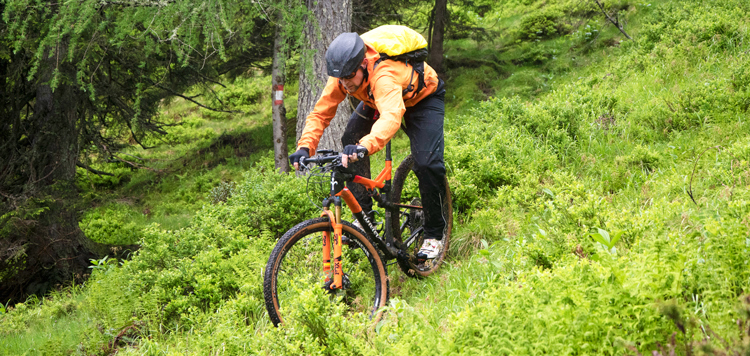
(379, 181)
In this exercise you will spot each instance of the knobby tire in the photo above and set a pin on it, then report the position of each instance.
(297, 263)
(403, 172)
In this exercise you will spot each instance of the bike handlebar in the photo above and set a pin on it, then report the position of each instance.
(329, 156)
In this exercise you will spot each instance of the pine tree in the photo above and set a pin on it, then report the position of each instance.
(83, 77)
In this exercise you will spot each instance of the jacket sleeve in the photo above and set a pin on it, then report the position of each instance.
(320, 117)
(390, 104)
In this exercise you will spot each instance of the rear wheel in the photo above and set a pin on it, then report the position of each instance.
(408, 226)
(296, 266)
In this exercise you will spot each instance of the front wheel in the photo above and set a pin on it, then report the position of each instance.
(296, 266)
(408, 226)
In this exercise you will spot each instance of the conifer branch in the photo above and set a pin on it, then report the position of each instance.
(133, 164)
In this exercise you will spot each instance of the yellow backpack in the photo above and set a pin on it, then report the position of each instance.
(400, 43)
(395, 40)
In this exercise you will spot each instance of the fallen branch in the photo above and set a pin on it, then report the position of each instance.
(138, 3)
(615, 21)
(193, 101)
(134, 165)
(97, 172)
(140, 158)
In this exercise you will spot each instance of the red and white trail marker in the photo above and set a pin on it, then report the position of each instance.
(278, 94)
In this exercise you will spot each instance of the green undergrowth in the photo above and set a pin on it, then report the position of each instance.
(606, 214)
(178, 172)
(534, 46)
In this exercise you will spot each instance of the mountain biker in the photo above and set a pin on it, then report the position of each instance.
(383, 89)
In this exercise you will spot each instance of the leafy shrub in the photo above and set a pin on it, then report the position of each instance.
(486, 154)
(741, 84)
(189, 130)
(179, 273)
(222, 192)
(245, 94)
(716, 23)
(85, 178)
(630, 169)
(532, 53)
(712, 343)
(115, 223)
(541, 24)
(588, 306)
(641, 157)
(741, 77)
(556, 121)
(198, 268)
(266, 201)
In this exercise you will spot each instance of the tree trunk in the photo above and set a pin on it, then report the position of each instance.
(436, 46)
(278, 78)
(331, 18)
(41, 244)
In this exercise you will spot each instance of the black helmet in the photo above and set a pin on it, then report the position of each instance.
(345, 54)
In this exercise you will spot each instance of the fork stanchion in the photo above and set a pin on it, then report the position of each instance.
(337, 230)
(327, 245)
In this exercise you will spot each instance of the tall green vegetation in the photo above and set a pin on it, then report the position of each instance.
(83, 80)
(577, 234)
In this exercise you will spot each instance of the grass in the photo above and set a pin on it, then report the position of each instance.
(541, 153)
(178, 175)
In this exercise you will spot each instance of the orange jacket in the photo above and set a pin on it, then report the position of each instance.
(385, 83)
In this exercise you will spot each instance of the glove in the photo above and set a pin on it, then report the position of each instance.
(360, 151)
(297, 157)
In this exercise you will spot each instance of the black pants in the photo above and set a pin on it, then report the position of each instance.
(423, 124)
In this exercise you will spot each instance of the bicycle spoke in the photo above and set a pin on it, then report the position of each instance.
(409, 227)
(300, 271)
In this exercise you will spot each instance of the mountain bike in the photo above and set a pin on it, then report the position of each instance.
(312, 254)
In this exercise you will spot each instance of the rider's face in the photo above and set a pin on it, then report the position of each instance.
(353, 83)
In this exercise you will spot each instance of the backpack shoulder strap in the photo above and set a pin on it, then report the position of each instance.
(416, 67)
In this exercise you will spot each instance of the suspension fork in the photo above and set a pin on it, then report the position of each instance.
(327, 244)
(338, 272)
(335, 242)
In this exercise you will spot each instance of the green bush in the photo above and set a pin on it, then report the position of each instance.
(115, 223)
(540, 25)
(188, 131)
(715, 23)
(245, 94)
(222, 192)
(266, 201)
(86, 179)
(640, 157)
(486, 154)
(197, 269)
(533, 53)
(580, 308)
(609, 149)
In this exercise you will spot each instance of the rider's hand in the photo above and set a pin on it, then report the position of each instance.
(296, 157)
(353, 153)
